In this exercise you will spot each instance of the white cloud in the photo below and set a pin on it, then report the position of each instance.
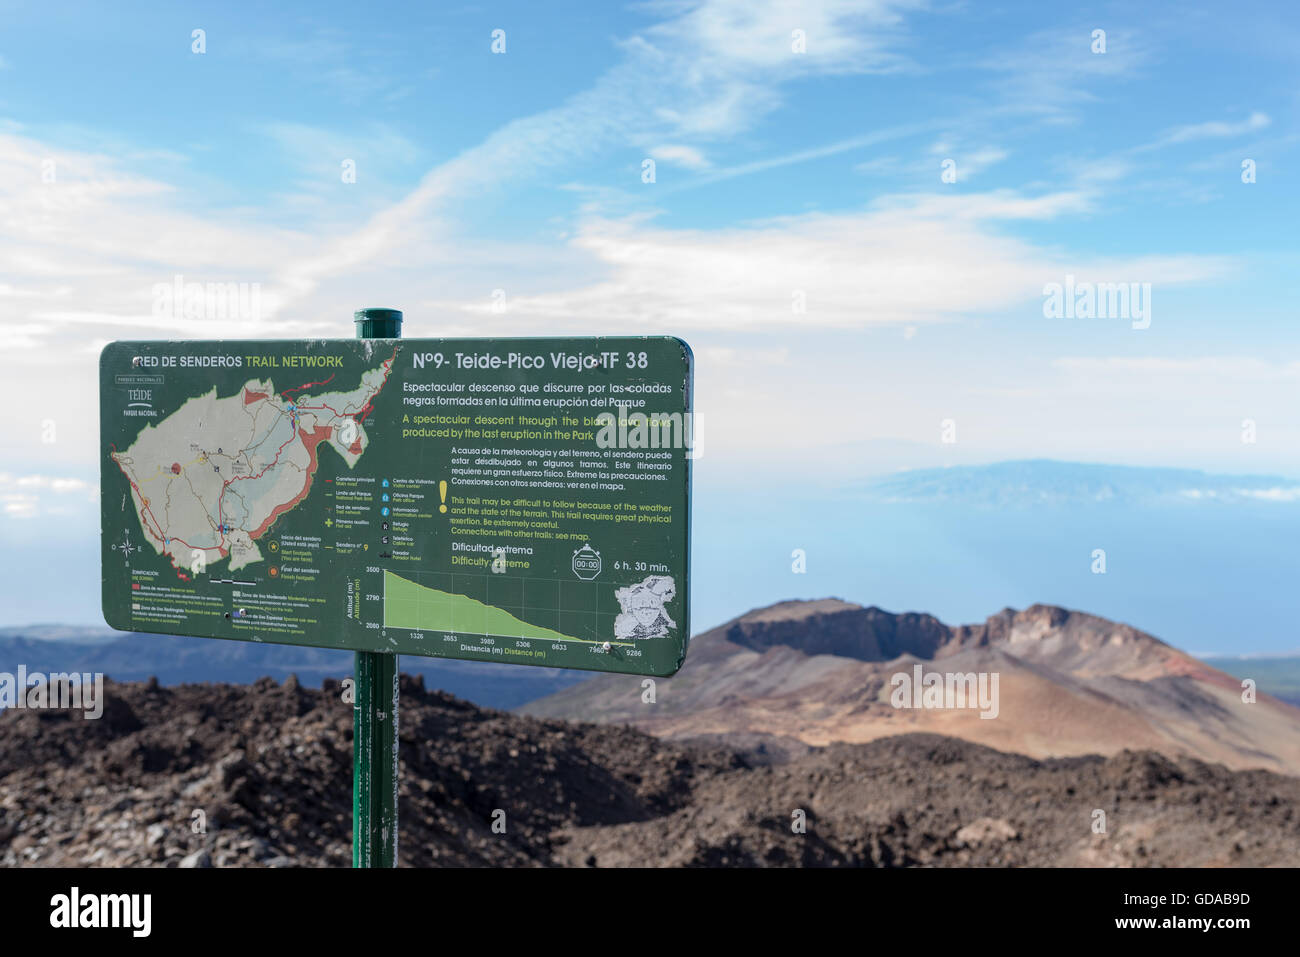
(1004, 204)
(377, 150)
(972, 164)
(87, 249)
(31, 496)
(1089, 173)
(687, 156)
(1282, 494)
(1054, 72)
(87, 238)
(710, 71)
(908, 259)
(803, 156)
(969, 163)
(745, 36)
(1211, 130)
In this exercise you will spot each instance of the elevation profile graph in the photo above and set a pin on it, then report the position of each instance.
(415, 607)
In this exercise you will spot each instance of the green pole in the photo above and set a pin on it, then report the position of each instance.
(374, 713)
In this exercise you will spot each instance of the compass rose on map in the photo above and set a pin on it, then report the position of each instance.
(125, 548)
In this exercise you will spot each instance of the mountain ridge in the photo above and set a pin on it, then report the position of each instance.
(1070, 682)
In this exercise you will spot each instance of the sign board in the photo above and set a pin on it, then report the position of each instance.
(519, 500)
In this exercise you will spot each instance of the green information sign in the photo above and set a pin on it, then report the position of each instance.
(519, 500)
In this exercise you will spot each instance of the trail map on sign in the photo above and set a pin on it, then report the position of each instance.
(521, 500)
(211, 478)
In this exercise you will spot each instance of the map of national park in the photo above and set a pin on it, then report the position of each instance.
(210, 479)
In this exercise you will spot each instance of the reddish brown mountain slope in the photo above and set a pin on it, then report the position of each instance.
(811, 673)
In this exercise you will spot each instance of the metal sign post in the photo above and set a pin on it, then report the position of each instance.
(375, 708)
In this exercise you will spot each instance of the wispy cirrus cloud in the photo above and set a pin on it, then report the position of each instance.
(92, 243)
(712, 69)
(1053, 73)
(968, 163)
(810, 154)
(685, 156)
(1213, 129)
(906, 259)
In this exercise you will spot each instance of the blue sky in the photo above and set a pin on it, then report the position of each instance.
(798, 153)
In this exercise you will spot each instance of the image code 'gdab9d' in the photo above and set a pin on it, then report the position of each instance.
(518, 500)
